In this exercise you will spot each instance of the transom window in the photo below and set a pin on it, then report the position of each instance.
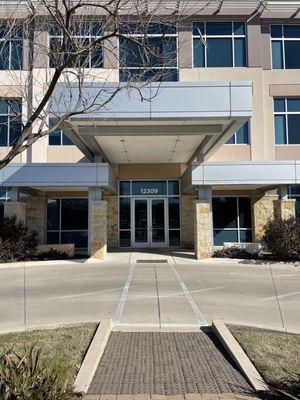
(10, 122)
(232, 220)
(241, 136)
(285, 40)
(58, 138)
(287, 120)
(155, 58)
(83, 34)
(67, 221)
(294, 193)
(11, 47)
(219, 44)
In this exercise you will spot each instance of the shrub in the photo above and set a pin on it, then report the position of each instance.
(24, 377)
(53, 254)
(235, 252)
(16, 242)
(282, 238)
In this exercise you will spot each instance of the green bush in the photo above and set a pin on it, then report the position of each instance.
(24, 377)
(282, 238)
(16, 242)
(235, 252)
(53, 254)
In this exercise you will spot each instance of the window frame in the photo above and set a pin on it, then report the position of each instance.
(9, 41)
(285, 113)
(62, 135)
(10, 115)
(4, 199)
(235, 138)
(232, 36)
(294, 196)
(151, 35)
(281, 39)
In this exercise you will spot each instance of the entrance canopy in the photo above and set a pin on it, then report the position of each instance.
(155, 123)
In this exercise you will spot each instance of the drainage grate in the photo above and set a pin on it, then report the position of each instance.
(151, 261)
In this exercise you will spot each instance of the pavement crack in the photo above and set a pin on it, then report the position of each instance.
(277, 298)
(157, 296)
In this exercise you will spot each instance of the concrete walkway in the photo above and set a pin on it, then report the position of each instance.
(228, 396)
(139, 292)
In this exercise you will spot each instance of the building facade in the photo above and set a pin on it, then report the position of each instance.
(210, 157)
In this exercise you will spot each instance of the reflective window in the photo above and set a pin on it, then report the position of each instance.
(232, 220)
(83, 34)
(241, 136)
(294, 193)
(285, 40)
(287, 121)
(148, 57)
(67, 221)
(11, 47)
(58, 138)
(124, 188)
(10, 122)
(219, 44)
(4, 197)
(154, 188)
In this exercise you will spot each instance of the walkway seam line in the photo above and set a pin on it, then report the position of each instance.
(200, 318)
(277, 299)
(119, 310)
(157, 296)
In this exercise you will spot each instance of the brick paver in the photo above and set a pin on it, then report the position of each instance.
(165, 363)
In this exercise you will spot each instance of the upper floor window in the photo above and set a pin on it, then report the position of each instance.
(154, 58)
(11, 47)
(287, 120)
(10, 122)
(241, 136)
(58, 138)
(219, 44)
(82, 35)
(285, 41)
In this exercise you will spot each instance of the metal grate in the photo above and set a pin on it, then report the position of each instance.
(151, 261)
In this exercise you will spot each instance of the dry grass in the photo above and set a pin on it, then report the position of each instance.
(66, 345)
(273, 353)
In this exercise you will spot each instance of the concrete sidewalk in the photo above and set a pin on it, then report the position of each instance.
(207, 396)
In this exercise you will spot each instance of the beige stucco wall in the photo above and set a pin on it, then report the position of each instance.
(149, 171)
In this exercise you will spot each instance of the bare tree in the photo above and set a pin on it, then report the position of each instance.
(65, 41)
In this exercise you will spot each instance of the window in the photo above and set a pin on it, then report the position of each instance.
(294, 193)
(83, 34)
(4, 197)
(232, 220)
(241, 136)
(157, 57)
(67, 221)
(10, 122)
(219, 44)
(58, 138)
(285, 42)
(11, 47)
(287, 120)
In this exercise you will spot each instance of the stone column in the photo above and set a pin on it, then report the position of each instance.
(203, 226)
(36, 217)
(112, 221)
(284, 209)
(97, 224)
(16, 209)
(262, 211)
(187, 205)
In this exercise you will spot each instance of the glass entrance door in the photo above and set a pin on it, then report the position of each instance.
(149, 222)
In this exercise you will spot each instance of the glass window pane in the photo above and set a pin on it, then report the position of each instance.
(245, 212)
(231, 140)
(276, 31)
(125, 238)
(74, 214)
(53, 214)
(221, 236)
(149, 188)
(292, 54)
(239, 28)
(1, 209)
(52, 237)
(246, 236)
(80, 239)
(55, 138)
(3, 107)
(295, 190)
(291, 31)
(97, 57)
(66, 141)
(224, 212)
(174, 213)
(173, 187)
(218, 28)
(279, 105)
(277, 55)
(239, 52)
(199, 61)
(16, 56)
(4, 55)
(242, 135)
(219, 53)
(174, 238)
(124, 188)
(14, 132)
(298, 208)
(125, 215)
(294, 128)
(280, 129)
(293, 105)
(198, 28)
(3, 132)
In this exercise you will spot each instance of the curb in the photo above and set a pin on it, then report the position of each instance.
(42, 263)
(239, 356)
(92, 357)
(245, 261)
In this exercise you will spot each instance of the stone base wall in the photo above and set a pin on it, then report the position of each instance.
(284, 209)
(36, 217)
(98, 230)
(16, 209)
(187, 209)
(203, 229)
(262, 211)
(112, 221)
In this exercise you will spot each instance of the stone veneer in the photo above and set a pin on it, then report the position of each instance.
(262, 211)
(112, 221)
(203, 229)
(187, 203)
(17, 209)
(284, 209)
(98, 230)
(36, 217)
